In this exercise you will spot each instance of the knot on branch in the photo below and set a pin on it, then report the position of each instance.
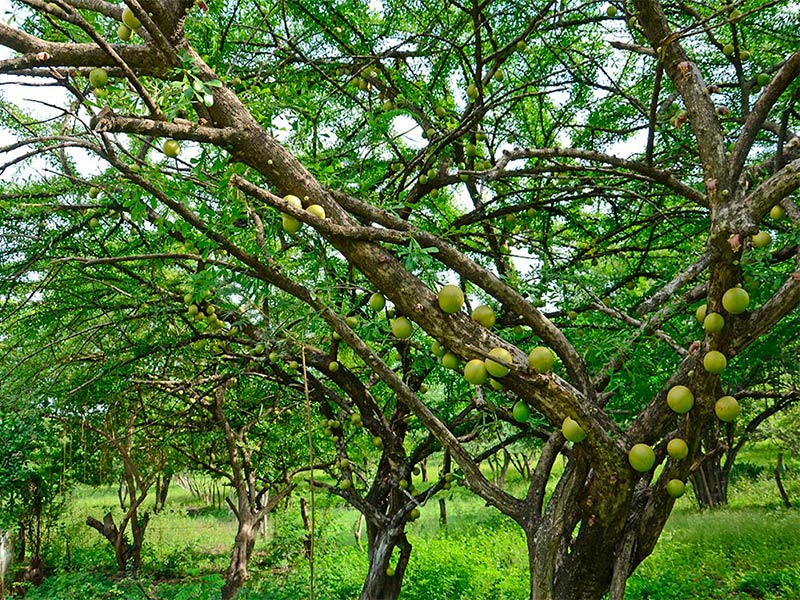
(102, 121)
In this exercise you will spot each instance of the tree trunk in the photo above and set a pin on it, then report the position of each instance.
(162, 489)
(125, 553)
(384, 579)
(782, 490)
(242, 551)
(710, 483)
(443, 513)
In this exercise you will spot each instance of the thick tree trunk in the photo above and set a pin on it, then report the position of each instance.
(385, 579)
(781, 490)
(710, 483)
(242, 551)
(125, 553)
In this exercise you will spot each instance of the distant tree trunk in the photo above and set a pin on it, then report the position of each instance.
(710, 481)
(778, 471)
(442, 512)
(242, 551)
(384, 579)
(162, 489)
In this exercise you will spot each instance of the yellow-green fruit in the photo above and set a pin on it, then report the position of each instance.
(700, 313)
(715, 362)
(777, 212)
(292, 365)
(316, 210)
(402, 328)
(450, 360)
(735, 300)
(475, 372)
(414, 515)
(484, 315)
(94, 192)
(680, 399)
(352, 321)
(541, 359)
(293, 200)
(611, 11)
(521, 412)
(98, 78)
(93, 222)
(377, 442)
(714, 323)
(496, 385)
(377, 301)
(727, 408)
(762, 239)
(676, 488)
(728, 49)
(763, 79)
(290, 224)
(472, 91)
(130, 19)
(440, 111)
(355, 419)
(451, 298)
(333, 366)
(572, 431)
(193, 310)
(641, 457)
(390, 571)
(346, 484)
(677, 449)
(498, 369)
(437, 349)
(171, 148)
(124, 32)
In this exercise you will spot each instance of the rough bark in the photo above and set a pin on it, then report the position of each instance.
(385, 579)
(243, 546)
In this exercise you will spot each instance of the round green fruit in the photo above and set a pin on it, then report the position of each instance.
(714, 323)
(484, 315)
(472, 91)
(641, 457)
(727, 408)
(352, 321)
(762, 239)
(611, 11)
(677, 449)
(475, 372)
(290, 224)
(316, 210)
(377, 301)
(440, 111)
(293, 200)
(541, 359)
(130, 19)
(124, 32)
(171, 148)
(451, 298)
(390, 571)
(680, 399)
(735, 300)
(377, 442)
(98, 78)
(777, 212)
(521, 412)
(93, 222)
(333, 366)
(450, 360)
(346, 484)
(700, 313)
(676, 488)
(497, 369)
(572, 431)
(763, 79)
(414, 515)
(715, 362)
(437, 349)
(94, 192)
(402, 328)
(728, 49)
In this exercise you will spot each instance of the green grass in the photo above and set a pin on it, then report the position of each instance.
(749, 550)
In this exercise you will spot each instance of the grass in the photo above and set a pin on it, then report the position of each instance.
(749, 550)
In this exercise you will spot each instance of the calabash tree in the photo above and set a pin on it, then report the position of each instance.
(578, 166)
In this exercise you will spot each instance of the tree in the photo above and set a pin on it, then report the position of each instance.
(583, 245)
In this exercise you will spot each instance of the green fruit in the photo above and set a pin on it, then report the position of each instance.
(521, 412)
(293, 200)
(735, 300)
(130, 19)
(437, 349)
(346, 483)
(611, 11)
(292, 365)
(714, 323)
(98, 78)
(727, 408)
(440, 111)
(333, 366)
(124, 32)
(290, 224)
(572, 431)
(390, 571)
(700, 313)
(777, 212)
(193, 310)
(273, 356)
(472, 91)
(450, 360)
(377, 301)
(715, 362)
(377, 442)
(763, 79)
(94, 192)
(93, 222)
(728, 49)
(677, 449)
(402, 328)
(423, 388)
(316, 210)
(641, 457)
(497, 369)
(451, 298)
(484, 315)
(414, 515)
(475, 372)
(541, 359)
(496, 385)
(680, 399)
(355, 419)
(762, 239)
(352, 321)
(745, 55)
(676, 488)
(521, 45)
(572, 315)
(171, 148)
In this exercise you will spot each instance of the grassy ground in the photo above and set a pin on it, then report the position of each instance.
(748, 550)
